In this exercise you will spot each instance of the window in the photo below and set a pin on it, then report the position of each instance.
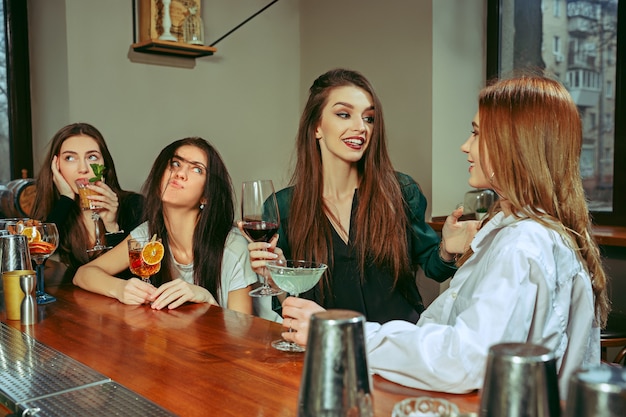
(556, 45)
(16, 149)
(587, 55)
(556, 8)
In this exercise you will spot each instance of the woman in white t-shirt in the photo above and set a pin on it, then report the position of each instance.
(190, 206)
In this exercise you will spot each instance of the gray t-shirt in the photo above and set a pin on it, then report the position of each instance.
(236, 270)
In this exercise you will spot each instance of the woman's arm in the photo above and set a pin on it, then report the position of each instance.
(129, 216)
(239, 300)
(423, 240)
(98, 276)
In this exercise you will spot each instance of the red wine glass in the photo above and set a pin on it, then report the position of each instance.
(259, 213)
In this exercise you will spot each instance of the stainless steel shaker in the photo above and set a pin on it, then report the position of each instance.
(599, 391)
(335, 380)
(520, 381)
(14, 253)
(28, 309)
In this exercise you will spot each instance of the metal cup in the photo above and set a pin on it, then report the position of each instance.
(14, 253)
(336, 380)
(520, 381)
(599, 391)
(28, 310)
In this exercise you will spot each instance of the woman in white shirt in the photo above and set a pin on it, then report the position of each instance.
(190, 206)
(527, 274)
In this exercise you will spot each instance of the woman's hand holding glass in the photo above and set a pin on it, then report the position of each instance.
(175, 293)
(297, 313)
(261, 252)
(108, 204)
(134, 291)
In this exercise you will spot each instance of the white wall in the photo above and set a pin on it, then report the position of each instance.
(243, 99)
(459, 57)
(425, 59)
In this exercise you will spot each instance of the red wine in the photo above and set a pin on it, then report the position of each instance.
(260, 231)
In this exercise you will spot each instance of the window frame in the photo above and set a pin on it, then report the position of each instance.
(18, 87)
(616, 217)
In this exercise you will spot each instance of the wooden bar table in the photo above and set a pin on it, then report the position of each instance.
(196, 360)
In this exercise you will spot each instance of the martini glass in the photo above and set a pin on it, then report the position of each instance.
(294, 277)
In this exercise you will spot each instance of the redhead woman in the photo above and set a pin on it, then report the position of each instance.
(533, 272)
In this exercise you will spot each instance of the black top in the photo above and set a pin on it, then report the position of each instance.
(129, 216)
(372, 293)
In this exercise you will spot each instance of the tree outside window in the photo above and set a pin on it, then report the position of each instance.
(579, 47)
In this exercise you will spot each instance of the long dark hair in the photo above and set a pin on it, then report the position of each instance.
(75, 238)
(214, 221)
(380, 216)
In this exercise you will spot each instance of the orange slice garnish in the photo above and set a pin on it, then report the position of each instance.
(32, 234)
(152, 253)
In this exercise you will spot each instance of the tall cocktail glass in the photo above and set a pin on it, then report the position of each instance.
(86, 204)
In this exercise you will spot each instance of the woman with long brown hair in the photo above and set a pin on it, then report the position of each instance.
(533, 273)
(347, 207)
(190, 206)
(71, 152)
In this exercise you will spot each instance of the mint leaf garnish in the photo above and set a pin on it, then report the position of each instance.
(98, 171)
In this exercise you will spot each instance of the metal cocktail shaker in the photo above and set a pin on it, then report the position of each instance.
(14, 253)
(599, 391)
(520, 381)
(336, 380)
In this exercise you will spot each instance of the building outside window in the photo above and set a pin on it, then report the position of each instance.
(582, 55)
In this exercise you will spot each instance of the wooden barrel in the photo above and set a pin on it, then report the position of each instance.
(17, 197)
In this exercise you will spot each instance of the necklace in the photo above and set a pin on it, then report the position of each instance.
(334, 220)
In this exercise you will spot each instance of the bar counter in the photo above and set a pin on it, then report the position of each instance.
(604, 235)
(196, 360)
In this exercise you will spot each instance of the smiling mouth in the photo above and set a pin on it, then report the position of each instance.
(354, 143)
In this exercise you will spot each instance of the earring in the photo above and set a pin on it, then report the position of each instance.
(201, 206)
(491, 177)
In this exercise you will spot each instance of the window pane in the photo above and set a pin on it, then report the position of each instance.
(579, 47)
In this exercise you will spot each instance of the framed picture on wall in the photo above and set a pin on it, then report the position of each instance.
(581, 43)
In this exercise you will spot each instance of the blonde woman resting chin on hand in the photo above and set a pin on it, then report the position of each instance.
(190, 206)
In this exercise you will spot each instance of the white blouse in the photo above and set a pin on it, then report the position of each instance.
(523, 283)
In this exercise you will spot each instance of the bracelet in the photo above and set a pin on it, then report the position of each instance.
(455, 257)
